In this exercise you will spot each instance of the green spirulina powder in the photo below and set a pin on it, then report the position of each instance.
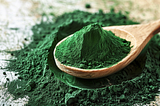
(41, 80)
(92, 47)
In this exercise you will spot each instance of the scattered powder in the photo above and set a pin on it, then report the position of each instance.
(43, 85)
(87, 5)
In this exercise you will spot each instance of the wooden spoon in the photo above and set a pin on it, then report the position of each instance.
(139, 35)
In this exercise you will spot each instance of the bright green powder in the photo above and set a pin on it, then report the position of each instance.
(92, 47)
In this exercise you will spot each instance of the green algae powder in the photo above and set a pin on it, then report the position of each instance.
(44, 86)
(92, 47)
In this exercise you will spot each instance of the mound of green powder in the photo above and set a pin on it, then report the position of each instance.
(44, 88)
(91, 48)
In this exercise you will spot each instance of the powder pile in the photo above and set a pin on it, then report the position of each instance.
(44, 88)
(91, 48)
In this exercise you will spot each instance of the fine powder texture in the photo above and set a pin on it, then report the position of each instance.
(91, 48)
(44, 88)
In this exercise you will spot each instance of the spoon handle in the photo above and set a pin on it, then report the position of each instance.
(142, 32)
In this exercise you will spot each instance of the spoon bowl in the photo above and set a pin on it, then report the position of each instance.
(139, 35)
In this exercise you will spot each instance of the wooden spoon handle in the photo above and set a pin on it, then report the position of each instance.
(143, 32)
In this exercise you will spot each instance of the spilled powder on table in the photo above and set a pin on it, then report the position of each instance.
(44, 88)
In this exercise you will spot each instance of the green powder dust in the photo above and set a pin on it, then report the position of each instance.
(45, 88)
(91, 48)
(87, 5)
